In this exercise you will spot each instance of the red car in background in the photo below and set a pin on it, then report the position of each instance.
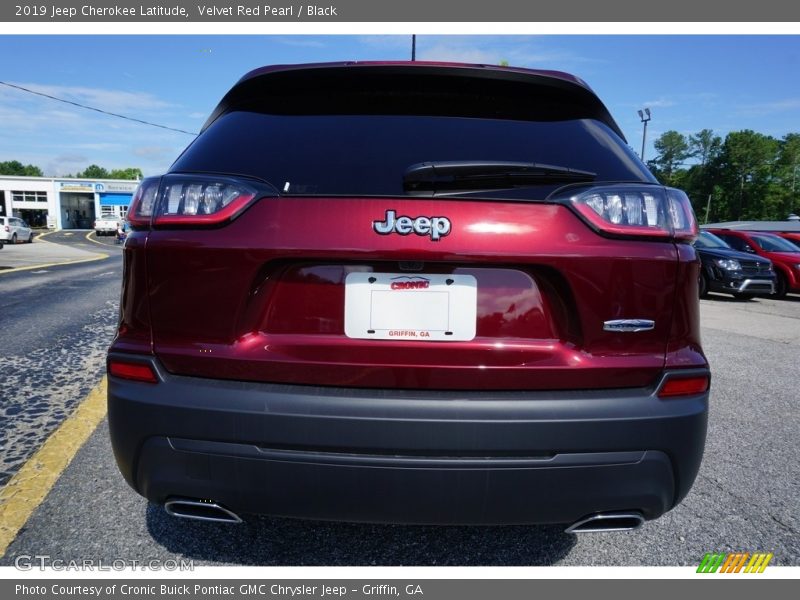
(785, 256)
(792, 237)
(410, 293)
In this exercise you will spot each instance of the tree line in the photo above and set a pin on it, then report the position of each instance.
(747, 175)
(14, 167)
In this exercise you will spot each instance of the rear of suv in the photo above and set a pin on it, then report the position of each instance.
(410, 293)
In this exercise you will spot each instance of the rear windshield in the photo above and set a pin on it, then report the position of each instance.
(368, 154)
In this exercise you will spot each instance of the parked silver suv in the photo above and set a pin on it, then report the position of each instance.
(14, 230)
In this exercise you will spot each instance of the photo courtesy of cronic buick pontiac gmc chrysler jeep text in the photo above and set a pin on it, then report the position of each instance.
(410, 293)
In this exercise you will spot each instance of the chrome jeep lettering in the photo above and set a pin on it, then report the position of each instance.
(434, 227)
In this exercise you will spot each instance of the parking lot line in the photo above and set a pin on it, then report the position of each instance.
(40, 238)
(59, 264)
(94, 241)
(31, 484)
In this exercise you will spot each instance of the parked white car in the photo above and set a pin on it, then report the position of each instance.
(14, 230)
(106, 226)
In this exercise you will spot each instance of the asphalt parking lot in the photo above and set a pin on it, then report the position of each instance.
(745, 498)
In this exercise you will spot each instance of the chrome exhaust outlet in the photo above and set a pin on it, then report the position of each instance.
(200, 510)
(615, 521)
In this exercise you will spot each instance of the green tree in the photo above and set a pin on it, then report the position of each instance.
(705, 146)
(93, 172)
(747, 159)
(672, 150)
(129, 173)
(788, 174)
(14, 167)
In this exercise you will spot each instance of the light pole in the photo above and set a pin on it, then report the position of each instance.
(644, 119)
(413, 47)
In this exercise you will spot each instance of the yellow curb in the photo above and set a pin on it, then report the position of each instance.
(94, 241)
(28, 488)
(40, 237)
(59, 264)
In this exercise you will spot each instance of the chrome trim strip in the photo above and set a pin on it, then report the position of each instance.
(629, 325)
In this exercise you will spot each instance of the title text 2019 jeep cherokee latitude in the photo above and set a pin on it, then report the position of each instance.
(410, 292)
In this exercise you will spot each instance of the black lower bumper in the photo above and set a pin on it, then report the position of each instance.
(405, 456)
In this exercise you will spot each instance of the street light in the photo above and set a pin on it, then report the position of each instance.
(644, 119)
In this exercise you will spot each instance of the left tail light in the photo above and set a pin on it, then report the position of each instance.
(192, 200)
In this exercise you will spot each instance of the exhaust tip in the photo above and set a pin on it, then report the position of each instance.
(616, 521)
(200, 510)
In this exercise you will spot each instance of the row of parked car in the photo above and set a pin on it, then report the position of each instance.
(748, 263)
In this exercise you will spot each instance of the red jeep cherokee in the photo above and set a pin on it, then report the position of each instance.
(410, 293)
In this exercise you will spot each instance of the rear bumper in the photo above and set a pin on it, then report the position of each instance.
(405, 456)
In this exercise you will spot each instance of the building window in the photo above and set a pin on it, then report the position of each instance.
(29, 196)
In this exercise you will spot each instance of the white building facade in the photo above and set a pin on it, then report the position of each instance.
(63, 203)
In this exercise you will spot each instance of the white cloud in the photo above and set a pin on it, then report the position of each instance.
(453, 53)
(301, 43)
(527, 51)
(660, 103)
(767, 108)
(105, 99)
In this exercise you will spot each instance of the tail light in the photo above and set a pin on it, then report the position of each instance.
(140, 210)
(192, 200)
(684, 386)
(631, 210)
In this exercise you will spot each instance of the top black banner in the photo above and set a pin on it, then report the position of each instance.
(442, 11)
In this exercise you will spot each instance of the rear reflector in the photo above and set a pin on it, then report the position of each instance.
(683, 386)
(132, 371)
(633, 210)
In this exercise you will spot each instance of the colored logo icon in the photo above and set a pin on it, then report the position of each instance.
(735, 562)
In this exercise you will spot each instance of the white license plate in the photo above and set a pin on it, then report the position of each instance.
(399, 306)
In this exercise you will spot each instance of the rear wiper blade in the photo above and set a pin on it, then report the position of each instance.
(455, 175)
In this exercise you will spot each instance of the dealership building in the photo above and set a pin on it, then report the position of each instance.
(64, 203)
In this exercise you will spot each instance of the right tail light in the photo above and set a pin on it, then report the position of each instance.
(631, 210)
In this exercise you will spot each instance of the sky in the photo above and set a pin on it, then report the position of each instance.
(689, 82)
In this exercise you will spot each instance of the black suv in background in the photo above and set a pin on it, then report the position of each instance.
(729, 271)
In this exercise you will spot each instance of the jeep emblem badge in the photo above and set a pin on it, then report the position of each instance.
(434, 227)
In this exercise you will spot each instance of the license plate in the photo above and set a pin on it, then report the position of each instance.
(399, 306)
